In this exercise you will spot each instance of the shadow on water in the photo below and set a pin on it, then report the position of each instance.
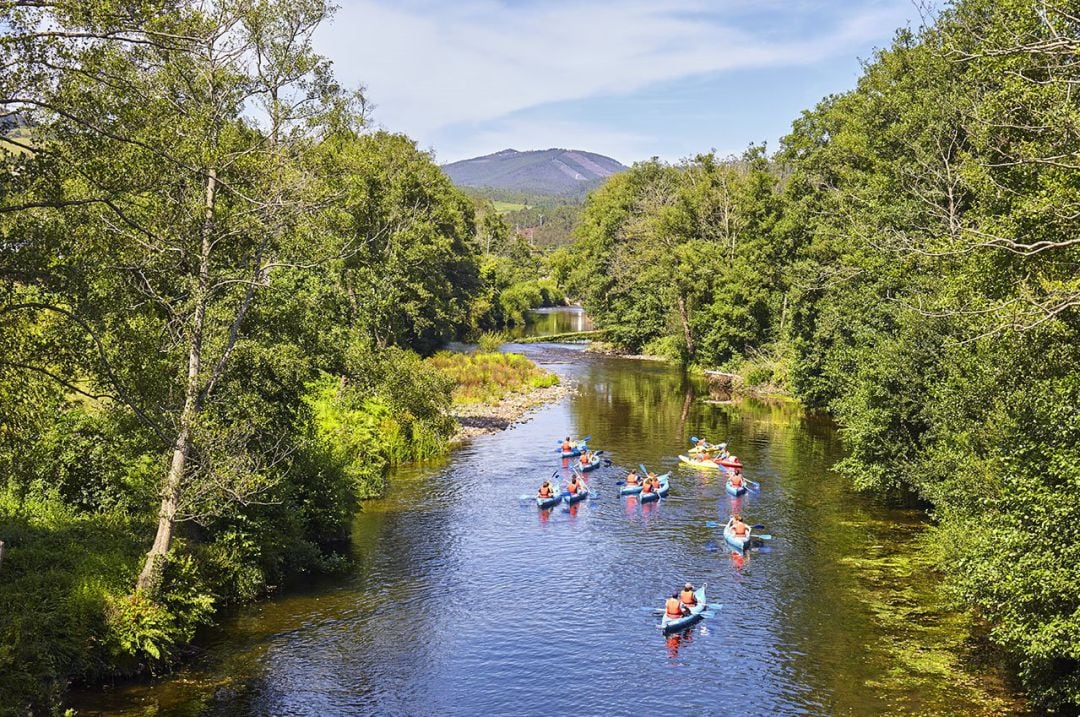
(465, 601)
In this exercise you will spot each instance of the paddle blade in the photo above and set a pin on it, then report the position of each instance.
(620, 482)
(711, 524)
(707, 614)
(762, 536)
(694, 439)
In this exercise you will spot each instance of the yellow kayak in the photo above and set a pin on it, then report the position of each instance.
(698, 464)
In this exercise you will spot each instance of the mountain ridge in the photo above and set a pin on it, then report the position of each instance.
(556, 171)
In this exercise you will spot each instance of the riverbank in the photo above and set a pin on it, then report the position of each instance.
(476, 419)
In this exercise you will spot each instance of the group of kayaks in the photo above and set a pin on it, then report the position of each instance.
(702, 456)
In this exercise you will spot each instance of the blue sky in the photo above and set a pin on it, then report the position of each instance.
(630, 79)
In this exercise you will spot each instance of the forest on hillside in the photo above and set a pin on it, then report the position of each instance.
(909, 262)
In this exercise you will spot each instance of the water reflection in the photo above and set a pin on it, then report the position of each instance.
(553, 321)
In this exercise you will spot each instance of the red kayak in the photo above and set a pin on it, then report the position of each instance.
(730, 462)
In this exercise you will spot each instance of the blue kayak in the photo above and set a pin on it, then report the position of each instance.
(732, 490)
(577, 450)
(549, 502)
(590, 466)
(660, 492)
(680, 624)
(734, 541)
(630, 489)
(582, 494)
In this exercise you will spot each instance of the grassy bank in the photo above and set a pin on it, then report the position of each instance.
(487, 377)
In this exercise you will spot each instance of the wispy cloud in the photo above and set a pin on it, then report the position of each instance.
(433, 65)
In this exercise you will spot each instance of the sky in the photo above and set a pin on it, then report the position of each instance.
(627, 78)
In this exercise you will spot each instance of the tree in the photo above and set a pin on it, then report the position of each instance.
(174, 180)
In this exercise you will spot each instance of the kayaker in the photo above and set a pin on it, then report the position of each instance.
(687, 596)
(738, 527)
(631, 478)
(674, 609)
(546, 491)
(586, 458)
(736, 479)
(702, 443)
(650, 484)
(574, 485)
(567, 446)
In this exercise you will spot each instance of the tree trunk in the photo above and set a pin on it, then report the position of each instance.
(684, 317)
(171, 490)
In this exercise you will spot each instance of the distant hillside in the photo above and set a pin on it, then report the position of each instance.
(551, 172)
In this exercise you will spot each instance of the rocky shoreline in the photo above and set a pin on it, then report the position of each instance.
(478, 419)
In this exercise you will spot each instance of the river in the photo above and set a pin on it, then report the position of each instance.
(465, 600)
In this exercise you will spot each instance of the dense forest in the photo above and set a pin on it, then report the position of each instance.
(216, 289)
(908, 261)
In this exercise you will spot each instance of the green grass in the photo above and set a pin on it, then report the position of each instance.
(488, 377)
(507, 207)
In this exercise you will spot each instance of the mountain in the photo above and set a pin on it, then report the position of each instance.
(553, 172)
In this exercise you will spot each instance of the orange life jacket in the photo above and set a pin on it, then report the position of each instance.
(631, 479)
(741, 529)
(545, 491)
(566, 447)
(688, 598)
(673, 608)
(572, 487)
(736, 480)
(647, 487)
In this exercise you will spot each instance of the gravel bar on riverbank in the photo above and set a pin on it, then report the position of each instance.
(477, 419)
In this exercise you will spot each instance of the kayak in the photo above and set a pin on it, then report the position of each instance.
(732, 462)
(698, 450)
(549, 502)
(630, 489)
(678, 624)
(590, 466)
(732, 490)
(582, 494)
(660, 492)
(698, 464)
(734, 541)
(578, 447)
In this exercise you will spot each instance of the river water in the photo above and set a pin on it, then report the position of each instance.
(465, 600)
